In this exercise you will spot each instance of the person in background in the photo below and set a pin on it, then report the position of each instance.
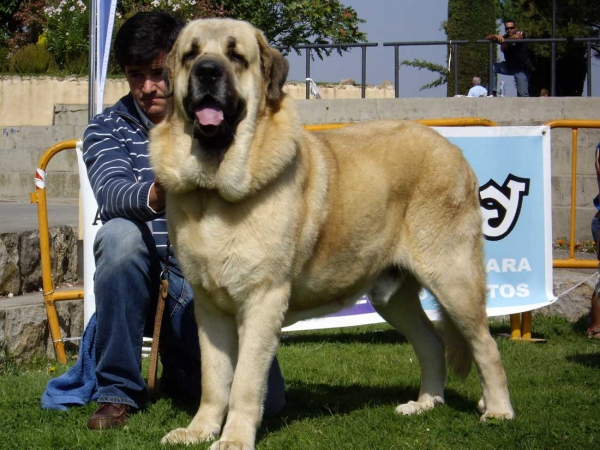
(131, 248)
(516, 58)
(594, 329)
(477, 90)
(544, 93)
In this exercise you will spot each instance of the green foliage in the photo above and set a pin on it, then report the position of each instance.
(186, 9)
(295, 22)
(27, 24)
(68, 31)
(77, 64)
(435, 68)
(8, 9)
(574, 18)
(4, 63)
(33, 58)
(471, 21)
(64, 24)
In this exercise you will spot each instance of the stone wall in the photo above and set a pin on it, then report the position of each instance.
(24, 331)
(20, 268)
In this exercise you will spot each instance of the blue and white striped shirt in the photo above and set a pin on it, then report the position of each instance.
(115, 152)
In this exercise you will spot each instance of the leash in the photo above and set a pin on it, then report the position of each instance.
(160, 308)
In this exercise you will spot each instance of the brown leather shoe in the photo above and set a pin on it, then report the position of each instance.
(108, 415)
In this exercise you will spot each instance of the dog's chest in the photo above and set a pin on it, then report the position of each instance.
(229, 249)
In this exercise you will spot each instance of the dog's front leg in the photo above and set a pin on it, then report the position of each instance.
(259, 329)
(218, 353)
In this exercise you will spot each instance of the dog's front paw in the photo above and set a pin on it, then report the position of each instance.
(229, 445)
(410, 408)
(187, 437)
(504, 413)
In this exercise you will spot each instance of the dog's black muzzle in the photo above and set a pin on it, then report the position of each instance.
(212, 103)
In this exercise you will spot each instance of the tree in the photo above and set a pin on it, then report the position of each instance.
(467, 20)
(186, 9)
(8, 23)
(22, 22)
(461, 24)
(574, 18)
(288, 23)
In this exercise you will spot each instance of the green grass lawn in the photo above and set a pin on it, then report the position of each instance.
(342, 388)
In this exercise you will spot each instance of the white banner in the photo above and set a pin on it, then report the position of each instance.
(91, 225)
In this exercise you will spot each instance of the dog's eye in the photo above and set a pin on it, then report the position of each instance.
(237, 58)
(189, 56)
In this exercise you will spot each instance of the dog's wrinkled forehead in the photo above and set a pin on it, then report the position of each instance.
(233, 39)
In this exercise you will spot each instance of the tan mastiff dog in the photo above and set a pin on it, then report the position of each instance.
(273, 224)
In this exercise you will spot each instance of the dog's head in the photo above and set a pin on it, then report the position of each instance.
(219, 72)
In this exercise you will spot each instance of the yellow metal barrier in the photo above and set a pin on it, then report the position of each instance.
(521, 327)
(574, 125)
(50, 297)
(457, 122)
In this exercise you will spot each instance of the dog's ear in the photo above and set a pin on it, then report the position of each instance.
(275, 68)
(169, 71)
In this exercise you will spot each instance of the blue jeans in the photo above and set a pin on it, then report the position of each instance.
(126, 286)
(521, 78)
(596, 238)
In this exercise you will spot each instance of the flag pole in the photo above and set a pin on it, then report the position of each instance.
(92, 59)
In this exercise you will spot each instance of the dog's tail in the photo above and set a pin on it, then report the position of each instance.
(458, 353)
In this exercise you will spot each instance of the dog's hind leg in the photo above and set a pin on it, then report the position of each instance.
(404, 312)
(458, 283)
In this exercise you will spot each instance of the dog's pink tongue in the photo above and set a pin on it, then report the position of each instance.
(209, 115)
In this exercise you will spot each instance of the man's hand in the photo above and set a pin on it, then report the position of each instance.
(157, 198)
(495, 37)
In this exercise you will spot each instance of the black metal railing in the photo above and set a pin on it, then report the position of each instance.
(455, 47)
(397, 46)
(363, 47)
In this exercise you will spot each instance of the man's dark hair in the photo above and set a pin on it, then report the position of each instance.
(144, 36)
(509, 20)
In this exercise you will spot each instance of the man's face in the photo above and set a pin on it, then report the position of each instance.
(510, 28)
(148, 87)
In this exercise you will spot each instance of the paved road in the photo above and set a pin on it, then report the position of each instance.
(21, 216)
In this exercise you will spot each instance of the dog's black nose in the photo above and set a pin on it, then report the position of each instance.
(209, 71)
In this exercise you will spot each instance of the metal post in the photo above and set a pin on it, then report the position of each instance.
(491, 69)
(553, 57)
(307, 73)
(589, 68)
(397, 72)
(92, 59)
(515, 326)
(455, 48)
(364, 72)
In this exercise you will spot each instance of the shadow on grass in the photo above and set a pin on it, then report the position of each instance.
(317, 400)
(389, 336)
(307, 401)
(588, 360)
